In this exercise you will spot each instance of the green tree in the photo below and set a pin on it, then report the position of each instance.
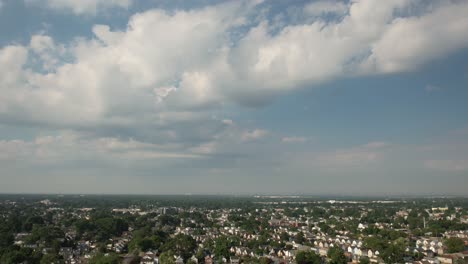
(336, 256)
(167, 257)
(374, 243)
(221, 248)
(105, 259)
(181, 245)
(31, 221)
(110, 226)
(308, 257)
(146, 244)
(454, 244)
(6, 239)
(394, 253)
(50, 259)
(364, 260)
(299, 238)
(265, 260)
(12, 257)
(284, 236)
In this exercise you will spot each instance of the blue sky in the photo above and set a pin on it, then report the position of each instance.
(162, 97)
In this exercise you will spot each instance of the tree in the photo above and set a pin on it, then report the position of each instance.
(308, 257)
(167, 257)
(364, 260)
(50, 259)
(182, 245)
(284, 236)
(394, 253)
(105, 259)
(11, 257)
(6, 239)
(31, 221)
(454, 244)
(221, 248)
(109, 226)
(462, 261)
(324, 227)
(265, 260)
(337, 256)
(374, 243)
(299, 238)
(146, 244)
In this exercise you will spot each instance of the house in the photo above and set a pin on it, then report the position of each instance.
(464, 219)
(446, 259)
(430, 261)
(323, 251)
(147, 260)
(194, 259)
(208, 260)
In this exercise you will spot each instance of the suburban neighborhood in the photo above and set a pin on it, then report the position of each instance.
(217, 229)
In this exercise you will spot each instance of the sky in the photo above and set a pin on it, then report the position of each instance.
(359, 97)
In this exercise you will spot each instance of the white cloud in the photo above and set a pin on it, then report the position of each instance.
(80, 7)
(254, 134)
(228, 122)
(173, 67)
(163, 92)
(12, 59)
(407, 43)
(294, 139)
(72, 146)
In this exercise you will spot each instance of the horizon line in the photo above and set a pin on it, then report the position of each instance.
(278, 195)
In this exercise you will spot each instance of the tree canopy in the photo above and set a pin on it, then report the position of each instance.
(308, 257)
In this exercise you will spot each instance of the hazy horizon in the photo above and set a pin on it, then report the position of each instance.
(355, 97)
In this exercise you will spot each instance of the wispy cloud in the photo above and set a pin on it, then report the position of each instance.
(72, 146)
(447, 165)
(294, 139)
(432, 88)
(360, 156)
(254, 134)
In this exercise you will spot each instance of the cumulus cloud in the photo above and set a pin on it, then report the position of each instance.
(168, 71)
(409, 42)
(80, 7)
